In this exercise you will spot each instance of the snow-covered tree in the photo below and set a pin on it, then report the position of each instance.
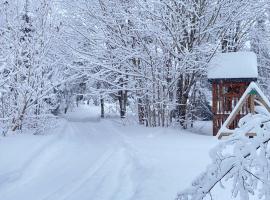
(30, 62)
(155, 52)
(260, 43)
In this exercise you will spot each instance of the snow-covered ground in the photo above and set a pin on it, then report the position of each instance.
(90, 159)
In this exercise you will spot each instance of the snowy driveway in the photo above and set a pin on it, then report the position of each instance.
(88, 159)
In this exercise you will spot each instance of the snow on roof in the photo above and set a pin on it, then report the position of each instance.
(233, 65)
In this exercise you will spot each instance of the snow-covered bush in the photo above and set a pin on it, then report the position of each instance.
(240, 160)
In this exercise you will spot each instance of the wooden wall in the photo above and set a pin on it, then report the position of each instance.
(226, 95)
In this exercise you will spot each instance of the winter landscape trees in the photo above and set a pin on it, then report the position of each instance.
(147, 56)
(164, 45)
(151, 55)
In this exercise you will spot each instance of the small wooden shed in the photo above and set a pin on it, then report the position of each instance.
(230, 75)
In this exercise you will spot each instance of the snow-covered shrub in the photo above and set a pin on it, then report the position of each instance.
(240, 160)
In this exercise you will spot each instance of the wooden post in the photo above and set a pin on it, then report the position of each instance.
(252, 104)
(214, 107)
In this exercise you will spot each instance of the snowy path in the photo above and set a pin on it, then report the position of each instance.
(88, 159)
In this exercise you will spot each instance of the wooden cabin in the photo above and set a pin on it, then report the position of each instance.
(230, 74)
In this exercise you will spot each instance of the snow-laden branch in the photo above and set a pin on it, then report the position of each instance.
(245, 161)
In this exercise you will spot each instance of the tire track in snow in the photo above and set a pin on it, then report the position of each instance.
(127, 172)
(138, 169)
(69, 189)
(80, 181)
(110, 178)
(125, 187)
(54, 146)
(15, 178)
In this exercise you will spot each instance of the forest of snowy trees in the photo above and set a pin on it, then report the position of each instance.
(149, 55)
(147, 58)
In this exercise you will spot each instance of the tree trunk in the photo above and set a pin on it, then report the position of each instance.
(18, 121)
(122, 97)
(182, 98)
(102, 113)
(140, 112)
(182, 111)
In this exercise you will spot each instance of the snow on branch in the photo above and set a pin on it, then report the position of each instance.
(240, 160)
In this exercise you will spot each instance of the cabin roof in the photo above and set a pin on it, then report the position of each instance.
(233, 66)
